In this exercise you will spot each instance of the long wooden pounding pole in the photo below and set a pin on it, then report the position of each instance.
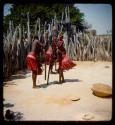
(45, 70)
(48, 75)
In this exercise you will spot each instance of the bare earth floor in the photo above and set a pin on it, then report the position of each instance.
(53, 102)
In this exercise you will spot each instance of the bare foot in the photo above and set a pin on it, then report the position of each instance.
(57, 70)
(52, 72)
(63, 81)
(60, 82)
(34, 86)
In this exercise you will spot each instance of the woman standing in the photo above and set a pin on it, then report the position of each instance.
(65, 63)
(33, 61)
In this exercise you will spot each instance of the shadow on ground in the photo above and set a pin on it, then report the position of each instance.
(19, 75)
(18, 116)
(13, 116)
(56, 82)
(107, 66)
(104, 97)
(72, 80)
(9, 83)
(8, 105)
(46, 85)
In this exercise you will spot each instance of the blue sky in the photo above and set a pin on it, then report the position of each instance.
(7, 9)
(98, 15)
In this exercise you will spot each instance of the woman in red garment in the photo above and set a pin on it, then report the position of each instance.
(65, 63)
(54, 56)
(33, 62)
(50, 54)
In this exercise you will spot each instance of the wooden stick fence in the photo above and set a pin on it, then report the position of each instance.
(80, 47)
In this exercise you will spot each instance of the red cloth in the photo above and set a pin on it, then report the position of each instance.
(67, 63)
(54, 48)
(54, 43)
(48, 54)
(60, 43)
(32, 63)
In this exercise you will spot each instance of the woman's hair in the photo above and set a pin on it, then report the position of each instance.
(35, 37)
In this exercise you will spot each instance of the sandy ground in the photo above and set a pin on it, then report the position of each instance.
(53, 102)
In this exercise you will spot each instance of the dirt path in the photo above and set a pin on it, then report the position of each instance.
(53, 101)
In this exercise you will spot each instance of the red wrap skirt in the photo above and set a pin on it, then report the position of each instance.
(48, 55)
(33, 64)
(66, 63)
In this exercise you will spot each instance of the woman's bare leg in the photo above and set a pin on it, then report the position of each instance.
(62, 76)
(34, 76)
(59, 76)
